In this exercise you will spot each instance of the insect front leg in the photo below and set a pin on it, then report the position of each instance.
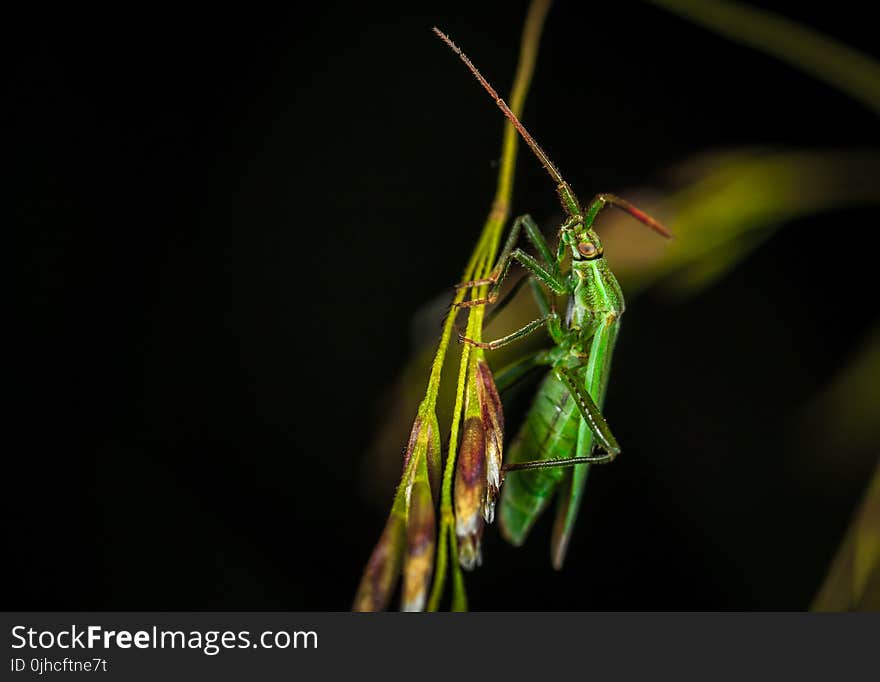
(544, 303)
(548, 271)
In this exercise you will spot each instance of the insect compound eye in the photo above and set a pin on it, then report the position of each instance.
(588, 249)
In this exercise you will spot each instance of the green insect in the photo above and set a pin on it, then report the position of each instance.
(564, 431)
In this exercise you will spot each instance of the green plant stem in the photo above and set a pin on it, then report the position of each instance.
(479, 266)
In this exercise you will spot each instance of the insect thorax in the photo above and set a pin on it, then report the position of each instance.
(596, 292)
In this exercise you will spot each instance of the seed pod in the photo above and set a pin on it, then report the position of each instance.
(470, 492)
(492, 417)
(383, 568)
(478, 469)
(409, 537)
(424, 439)
(420, 540)
(432, 453)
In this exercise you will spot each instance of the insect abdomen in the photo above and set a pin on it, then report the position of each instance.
(549, 432)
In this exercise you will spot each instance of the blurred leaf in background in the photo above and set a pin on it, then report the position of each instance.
(770, 191)
(824, 58)
(853, 583)
(849, 410)
(727, 204)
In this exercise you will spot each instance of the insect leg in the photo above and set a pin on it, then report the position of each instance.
(593, 416)
(539, 294)
(536, 237)
(508, 297)
(550, 318)
(513, 336)
(596, 423)
(544, 304)
(548, 271)
(555, 283)
(533, 232)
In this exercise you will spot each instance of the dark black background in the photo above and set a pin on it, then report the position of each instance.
(225, 220)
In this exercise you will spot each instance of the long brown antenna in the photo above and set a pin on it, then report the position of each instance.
(542, 157)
